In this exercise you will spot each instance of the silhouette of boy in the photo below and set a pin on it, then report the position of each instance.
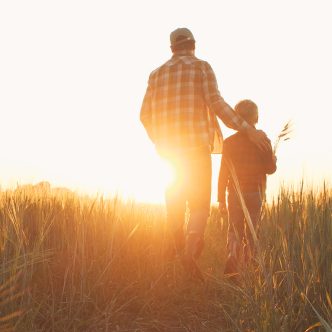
(250, 166)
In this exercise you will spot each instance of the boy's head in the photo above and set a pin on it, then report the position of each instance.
(248, 110)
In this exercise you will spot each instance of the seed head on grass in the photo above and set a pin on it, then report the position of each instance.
(284, 135)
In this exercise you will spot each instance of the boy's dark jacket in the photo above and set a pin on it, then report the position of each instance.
(250, 163)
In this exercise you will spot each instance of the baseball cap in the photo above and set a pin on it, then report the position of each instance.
(180, 36)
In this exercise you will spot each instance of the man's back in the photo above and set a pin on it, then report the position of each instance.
(178, 95)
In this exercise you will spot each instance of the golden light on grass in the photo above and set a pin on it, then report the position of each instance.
(96, 264)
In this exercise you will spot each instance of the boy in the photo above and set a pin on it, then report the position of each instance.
(251, 166)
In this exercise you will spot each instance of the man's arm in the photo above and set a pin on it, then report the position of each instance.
(217, 104)
(259, 138)
(226, 113)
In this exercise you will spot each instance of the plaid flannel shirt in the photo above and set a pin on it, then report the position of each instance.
(181, 103)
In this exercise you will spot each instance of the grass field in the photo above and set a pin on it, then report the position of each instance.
(73, 263)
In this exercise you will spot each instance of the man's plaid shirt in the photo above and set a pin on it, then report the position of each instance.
(181, 103)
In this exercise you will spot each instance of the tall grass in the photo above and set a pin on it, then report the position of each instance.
(295, 242)
(73, 263)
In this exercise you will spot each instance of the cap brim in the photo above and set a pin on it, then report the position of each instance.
(181, 41)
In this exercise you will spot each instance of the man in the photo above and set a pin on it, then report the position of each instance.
(179, 113)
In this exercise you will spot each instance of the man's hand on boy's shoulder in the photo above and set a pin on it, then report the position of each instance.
(259, 138)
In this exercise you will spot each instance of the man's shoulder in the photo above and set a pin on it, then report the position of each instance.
(185, 59)
(202, 63)
(160, 68)
(192, 61)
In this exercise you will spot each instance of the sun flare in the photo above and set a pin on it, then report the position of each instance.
(146, 181)
(151, 184)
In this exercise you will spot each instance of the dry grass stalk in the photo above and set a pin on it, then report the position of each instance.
(106, 273)
(259, 256)
(284, 135)
(8, 295)
(242, 201)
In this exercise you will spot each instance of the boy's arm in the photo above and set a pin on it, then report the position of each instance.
(270, 160)
(223, 180)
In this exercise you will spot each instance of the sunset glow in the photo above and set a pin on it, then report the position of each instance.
(73, 76)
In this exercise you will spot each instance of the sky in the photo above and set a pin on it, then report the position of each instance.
(73, 75)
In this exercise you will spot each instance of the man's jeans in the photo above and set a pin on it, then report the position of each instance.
(238, 229)
(191, 187)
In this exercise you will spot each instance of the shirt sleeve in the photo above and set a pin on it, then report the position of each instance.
(223, 177)
(217, 104)
(146, 112)
(270, 161)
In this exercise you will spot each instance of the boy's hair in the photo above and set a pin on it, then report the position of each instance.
(248, 110)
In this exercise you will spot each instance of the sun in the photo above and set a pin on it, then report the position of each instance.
(142, 179)
(154, 178)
